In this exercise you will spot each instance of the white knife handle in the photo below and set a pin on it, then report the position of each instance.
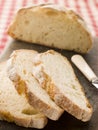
(82, 65)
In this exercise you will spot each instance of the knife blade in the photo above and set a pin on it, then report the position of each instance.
(82, 65)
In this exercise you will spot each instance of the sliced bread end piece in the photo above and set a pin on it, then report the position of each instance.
(51, 25)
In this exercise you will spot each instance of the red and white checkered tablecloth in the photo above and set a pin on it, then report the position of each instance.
(88, 9)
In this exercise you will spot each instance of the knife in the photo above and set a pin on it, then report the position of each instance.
(82, 65)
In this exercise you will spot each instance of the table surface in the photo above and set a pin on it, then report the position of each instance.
(88, 9)
(66, 122)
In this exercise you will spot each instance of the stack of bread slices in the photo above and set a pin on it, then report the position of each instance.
(36, 86)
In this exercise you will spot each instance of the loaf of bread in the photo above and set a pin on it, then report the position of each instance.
(56, 76)
(51, 25)
(20, 67)
(40, 75)
(14, 107)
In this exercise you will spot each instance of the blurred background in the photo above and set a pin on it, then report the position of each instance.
(88, 9)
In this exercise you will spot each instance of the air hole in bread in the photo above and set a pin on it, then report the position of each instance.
(24, 71)
(74, 87)
(52, 44)
(46, 33)
(21, 35)
(29, 111)
(80, 37)
(88, 105)
(26, 22)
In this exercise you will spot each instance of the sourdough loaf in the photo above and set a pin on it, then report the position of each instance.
(56, 76)
(51, 25)
(14, 107)
(20, 66)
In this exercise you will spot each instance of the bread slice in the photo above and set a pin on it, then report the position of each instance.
(14, 107)
(56, 76)
(51, 25)
(20, 67)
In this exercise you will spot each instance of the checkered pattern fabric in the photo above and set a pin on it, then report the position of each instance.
(88, 9)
